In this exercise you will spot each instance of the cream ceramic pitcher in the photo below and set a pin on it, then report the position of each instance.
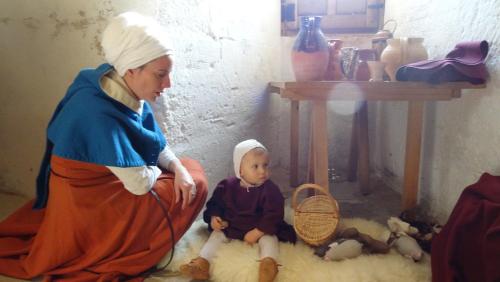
(402, 51)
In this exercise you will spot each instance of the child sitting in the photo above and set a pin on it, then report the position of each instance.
(247, 207)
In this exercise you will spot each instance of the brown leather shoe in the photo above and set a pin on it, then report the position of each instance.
(268, 269)
(197, 268)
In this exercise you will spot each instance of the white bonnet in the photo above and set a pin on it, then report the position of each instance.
(241, 149)
(131, 40)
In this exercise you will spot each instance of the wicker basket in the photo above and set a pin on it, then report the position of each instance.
(316, 217)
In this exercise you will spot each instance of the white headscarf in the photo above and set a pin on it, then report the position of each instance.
(131, 40)
(240, 150)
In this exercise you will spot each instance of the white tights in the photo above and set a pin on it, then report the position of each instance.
(268, 245)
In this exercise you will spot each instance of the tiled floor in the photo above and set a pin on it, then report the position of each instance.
(379, 205)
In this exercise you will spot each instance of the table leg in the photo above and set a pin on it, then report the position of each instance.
(359, 155)
(363, 149)
(352, 165)
(320, 145)
(412, 154)
(310, 161)
(294, 143)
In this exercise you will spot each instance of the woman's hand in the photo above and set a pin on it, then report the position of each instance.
(217, 223)
(253, 236)
(184, 185)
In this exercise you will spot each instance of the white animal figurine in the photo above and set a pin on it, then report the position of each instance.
(408, 247)
(400, 227)
(343, 249)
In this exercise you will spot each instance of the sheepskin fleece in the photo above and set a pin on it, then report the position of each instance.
(237, 261)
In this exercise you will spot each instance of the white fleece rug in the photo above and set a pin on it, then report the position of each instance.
(237, 261)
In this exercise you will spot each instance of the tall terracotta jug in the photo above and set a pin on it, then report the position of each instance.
(310, 51)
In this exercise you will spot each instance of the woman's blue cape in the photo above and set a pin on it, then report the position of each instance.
(90, 126)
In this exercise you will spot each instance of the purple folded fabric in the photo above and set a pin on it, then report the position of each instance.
(464, 63)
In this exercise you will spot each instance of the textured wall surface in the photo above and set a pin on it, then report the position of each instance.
(461, 137)
(226, 52)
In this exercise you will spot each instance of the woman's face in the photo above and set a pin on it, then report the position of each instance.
(149, 81)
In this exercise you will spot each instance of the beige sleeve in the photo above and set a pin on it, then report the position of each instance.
(165, 157)
(138, 180)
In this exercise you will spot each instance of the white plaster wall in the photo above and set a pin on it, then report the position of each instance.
(461, 137)
(226, 52)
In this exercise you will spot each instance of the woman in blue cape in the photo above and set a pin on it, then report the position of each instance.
(95, 217)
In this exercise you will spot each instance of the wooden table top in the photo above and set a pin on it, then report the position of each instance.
(370, 90)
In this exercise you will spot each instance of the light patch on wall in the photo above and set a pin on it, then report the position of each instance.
(342, 107)
(230, 11)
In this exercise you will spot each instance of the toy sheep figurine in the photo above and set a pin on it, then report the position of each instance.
(408, 247)
(343, 249)
(351, 243)
(401, 239)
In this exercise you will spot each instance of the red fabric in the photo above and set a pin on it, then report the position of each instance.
(468, 247)
(93, 229)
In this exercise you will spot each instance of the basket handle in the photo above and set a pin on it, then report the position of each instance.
(307, 186)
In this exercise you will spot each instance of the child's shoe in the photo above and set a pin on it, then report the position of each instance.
(268, 269)
(197, 268)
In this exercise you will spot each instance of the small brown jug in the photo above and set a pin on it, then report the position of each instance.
(334, 71)
(362, 73)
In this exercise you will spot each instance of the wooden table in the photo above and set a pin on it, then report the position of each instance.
(319, 92)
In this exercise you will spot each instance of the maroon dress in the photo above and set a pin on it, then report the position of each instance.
(468, 246)
(259, 207)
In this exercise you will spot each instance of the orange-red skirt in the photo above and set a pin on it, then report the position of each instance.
(93, 229)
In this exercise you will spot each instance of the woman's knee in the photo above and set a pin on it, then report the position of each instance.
(201, 192)
(198, 174)
(192, 165)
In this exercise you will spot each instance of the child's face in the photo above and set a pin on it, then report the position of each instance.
(254, 167)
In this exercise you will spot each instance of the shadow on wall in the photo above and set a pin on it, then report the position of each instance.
(429, 138)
